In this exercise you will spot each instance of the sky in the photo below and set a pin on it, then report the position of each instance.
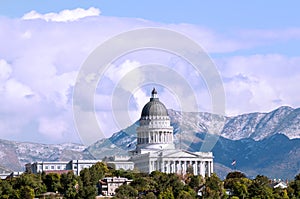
(44, 44)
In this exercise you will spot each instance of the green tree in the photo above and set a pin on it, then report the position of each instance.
(167, 181)
(167, 194)
(235, 174)
(52, 182)
(86, 188)
(294, 187)
(144, 184)
(260, 188)
(6, 189)
(238, 185)
(69, 183)
(184, 195)
(279, 193)
(126, 192)
(150, 195)
(97, 172)
(195, 182)
(26, 192)
(213, 187)
(33, 181)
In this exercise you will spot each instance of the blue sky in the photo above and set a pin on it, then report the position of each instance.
(254, 44)
(216, 14)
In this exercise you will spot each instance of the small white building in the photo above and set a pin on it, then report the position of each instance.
(109, 185)
(120, 162)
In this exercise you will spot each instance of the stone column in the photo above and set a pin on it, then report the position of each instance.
(202, 168)
(167, 166)
(184, 167)
(173, 167)
(195, 168)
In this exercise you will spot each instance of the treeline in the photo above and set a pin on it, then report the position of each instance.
(156, 185)
(159, 185)
(28, 186)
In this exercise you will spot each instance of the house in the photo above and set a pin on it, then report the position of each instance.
(108, 185)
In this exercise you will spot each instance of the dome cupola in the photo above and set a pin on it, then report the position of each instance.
(154, 107)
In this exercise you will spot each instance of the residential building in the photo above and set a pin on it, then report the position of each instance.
(109, 185)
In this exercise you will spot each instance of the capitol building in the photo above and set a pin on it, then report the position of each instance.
(155, 149)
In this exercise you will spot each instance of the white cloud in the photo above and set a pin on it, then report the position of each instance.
(53, 128)
(63, 16)
(40, 60)
(5, 70)
(260, 82)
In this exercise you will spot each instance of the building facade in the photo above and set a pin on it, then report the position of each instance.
(119, 162)
(155, 150)
(60, 166)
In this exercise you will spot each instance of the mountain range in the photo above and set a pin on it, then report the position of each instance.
(260, 143)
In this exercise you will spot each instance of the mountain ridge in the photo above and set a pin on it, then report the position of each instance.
(241, 137)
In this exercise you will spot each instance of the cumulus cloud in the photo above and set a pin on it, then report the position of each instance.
(63, 16)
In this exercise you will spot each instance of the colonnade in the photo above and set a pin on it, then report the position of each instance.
(155, 137)
(182, 166)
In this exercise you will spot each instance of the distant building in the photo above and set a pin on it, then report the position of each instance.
(60, 166)
(119, 162)
(155, 150)
(109, 185)
(39, 167)
(6, 175)
(278, 184)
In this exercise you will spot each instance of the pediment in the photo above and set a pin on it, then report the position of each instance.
(179, 154)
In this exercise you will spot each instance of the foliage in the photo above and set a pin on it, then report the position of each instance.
(126, 192)
(149, 195)
(294, 187)
(69, 184)
(237, 184)
(166, 194)
(260, 188)
(235, 174)
(26, 192)
(195, 182)
(144, 186)
(52, 182)
(184, 195)
(213, 187)
(86, 187)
